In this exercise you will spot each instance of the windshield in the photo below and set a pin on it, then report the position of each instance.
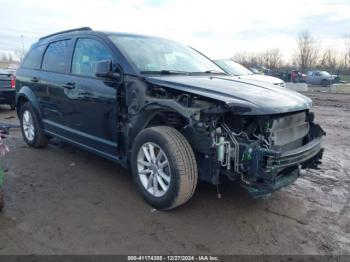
(156, 55)
(325, 73)
(233, 68)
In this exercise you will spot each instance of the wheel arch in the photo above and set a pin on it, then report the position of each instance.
(154, 117)
(26, 95)
(325, 82)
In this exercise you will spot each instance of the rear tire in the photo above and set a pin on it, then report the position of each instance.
(324, 83)
(164, 186)
(32, 133)
(13, 107)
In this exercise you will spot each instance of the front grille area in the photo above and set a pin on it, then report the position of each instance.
(287, 132)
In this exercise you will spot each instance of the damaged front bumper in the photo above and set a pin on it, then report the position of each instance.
(267, 170)
(295, 157)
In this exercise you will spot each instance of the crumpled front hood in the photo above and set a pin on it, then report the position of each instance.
(242, 96)
(262, 78)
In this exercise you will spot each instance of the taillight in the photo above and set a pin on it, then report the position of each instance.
(13, 82)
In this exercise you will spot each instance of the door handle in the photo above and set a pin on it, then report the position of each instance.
(35, 79)
(69, 85)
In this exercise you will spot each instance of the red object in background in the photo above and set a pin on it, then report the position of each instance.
(13, 82)
(294, 76)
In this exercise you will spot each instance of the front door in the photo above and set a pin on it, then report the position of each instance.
(93, 119)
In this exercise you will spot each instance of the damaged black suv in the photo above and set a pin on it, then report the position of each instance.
(166, 111)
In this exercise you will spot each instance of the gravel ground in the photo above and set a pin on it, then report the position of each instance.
(61, 200)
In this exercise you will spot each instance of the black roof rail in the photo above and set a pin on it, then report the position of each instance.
(67, 31)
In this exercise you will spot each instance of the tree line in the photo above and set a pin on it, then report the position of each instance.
(6, 56)
(307, 55)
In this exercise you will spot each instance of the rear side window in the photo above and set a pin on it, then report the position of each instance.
(33, 59)
(55, 58)
(87, 53)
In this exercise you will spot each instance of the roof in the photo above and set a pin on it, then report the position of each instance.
(66, 31)
(89, 30)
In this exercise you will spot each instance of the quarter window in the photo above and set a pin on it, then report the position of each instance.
(86, 54)
(33, 59)
(55, 58)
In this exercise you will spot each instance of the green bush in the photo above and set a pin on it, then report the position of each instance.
(345, 78)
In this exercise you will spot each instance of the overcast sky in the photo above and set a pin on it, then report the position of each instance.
(218, 28)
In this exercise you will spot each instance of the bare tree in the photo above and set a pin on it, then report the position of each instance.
(248, 59)
(306, 53)
(256, 59)
(271, 58)
(241, 58)
(347, 52)
(3, 57)
(329, 59)
(20, 53)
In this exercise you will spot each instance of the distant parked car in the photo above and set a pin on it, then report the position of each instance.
(12, 69)
(281, 74)
(236, 69)
(322, 78)
(297, 76)
(7, 89)
(336, 78)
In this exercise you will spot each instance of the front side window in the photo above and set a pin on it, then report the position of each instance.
(151, 54)
(33, 59)
(87, 53)
(55, 58)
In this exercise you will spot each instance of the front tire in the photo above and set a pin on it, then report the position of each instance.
(32, 133)
(164, 167)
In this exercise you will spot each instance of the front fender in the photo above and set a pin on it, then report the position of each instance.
(142, 120)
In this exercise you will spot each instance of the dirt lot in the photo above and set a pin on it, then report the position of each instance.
(61, 200)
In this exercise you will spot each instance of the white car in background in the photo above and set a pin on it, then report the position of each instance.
(236, 69)
(317, 77)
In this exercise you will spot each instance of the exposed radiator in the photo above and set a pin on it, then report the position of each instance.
(287, 132)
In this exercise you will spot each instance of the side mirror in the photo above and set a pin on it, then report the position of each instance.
(105, 68)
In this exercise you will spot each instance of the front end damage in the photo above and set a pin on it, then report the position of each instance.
(264, 147)
(264, 153)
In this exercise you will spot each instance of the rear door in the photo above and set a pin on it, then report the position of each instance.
(28, 74)
(53, 78)
(93, 120)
